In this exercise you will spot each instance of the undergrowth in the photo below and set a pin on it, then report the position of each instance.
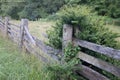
(90, 27)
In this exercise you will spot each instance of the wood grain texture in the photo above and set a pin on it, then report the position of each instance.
(14, 28)
(23, 23)
(29, 36)
(17, 26)
(67, 35)
(67, 38)
(14, 39)
(34, 52)
(2, 27)
(110, 52)
(48, 50)
(2, 23)
(6, 26)
(14, 32)
(91, 74)
(99, 63)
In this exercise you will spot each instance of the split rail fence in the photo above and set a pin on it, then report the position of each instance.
(20, 34)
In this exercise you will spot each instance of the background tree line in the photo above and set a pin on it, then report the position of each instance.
(109, 8)
(31, 9)
(34, 9)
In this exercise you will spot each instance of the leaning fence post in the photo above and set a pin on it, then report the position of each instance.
(6, 26)
(24, 23)
(67, 36)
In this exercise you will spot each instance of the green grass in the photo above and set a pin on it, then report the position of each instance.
(37, 28)
(19, 66)
(115, 29)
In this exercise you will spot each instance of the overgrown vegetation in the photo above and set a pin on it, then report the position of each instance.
(81, 14)
(66, 71)
(91, 28)
(70, 53)
(103, 7)
(31, 9)
(35, 9)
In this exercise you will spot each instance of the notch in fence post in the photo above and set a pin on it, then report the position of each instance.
(24, 23)
(67, 36)
(6, 26)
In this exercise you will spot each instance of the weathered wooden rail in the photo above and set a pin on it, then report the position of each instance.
(21, 35)
(100, 49)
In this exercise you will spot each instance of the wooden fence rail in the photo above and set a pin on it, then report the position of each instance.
(21, 35)
(113, 53)
(86, 71)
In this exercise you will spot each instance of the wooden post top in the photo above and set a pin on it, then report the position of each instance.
(24, 21)
(7, 18)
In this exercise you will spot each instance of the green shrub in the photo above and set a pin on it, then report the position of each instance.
(66, 71)
(103, 7)
(55, 35)
(106, 7)
(91, 28)
(70, 53)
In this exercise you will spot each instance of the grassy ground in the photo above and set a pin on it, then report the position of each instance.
(115, 29)
(38, 28)
(17, 66)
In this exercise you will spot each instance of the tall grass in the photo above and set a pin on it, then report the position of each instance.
(19, 66)
(37, 28)
(115, 29)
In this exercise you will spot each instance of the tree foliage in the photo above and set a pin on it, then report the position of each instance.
(103, 7)
(31, 9)
(11, 9)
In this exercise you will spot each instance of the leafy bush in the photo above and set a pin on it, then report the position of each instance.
(55, 35)
(70, 53)
(90, 26)
(103, 7)
(66, 71)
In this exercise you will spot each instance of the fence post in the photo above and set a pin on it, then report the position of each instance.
(1, 18)
(67, 36)
(24, 23)
(6, 26)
